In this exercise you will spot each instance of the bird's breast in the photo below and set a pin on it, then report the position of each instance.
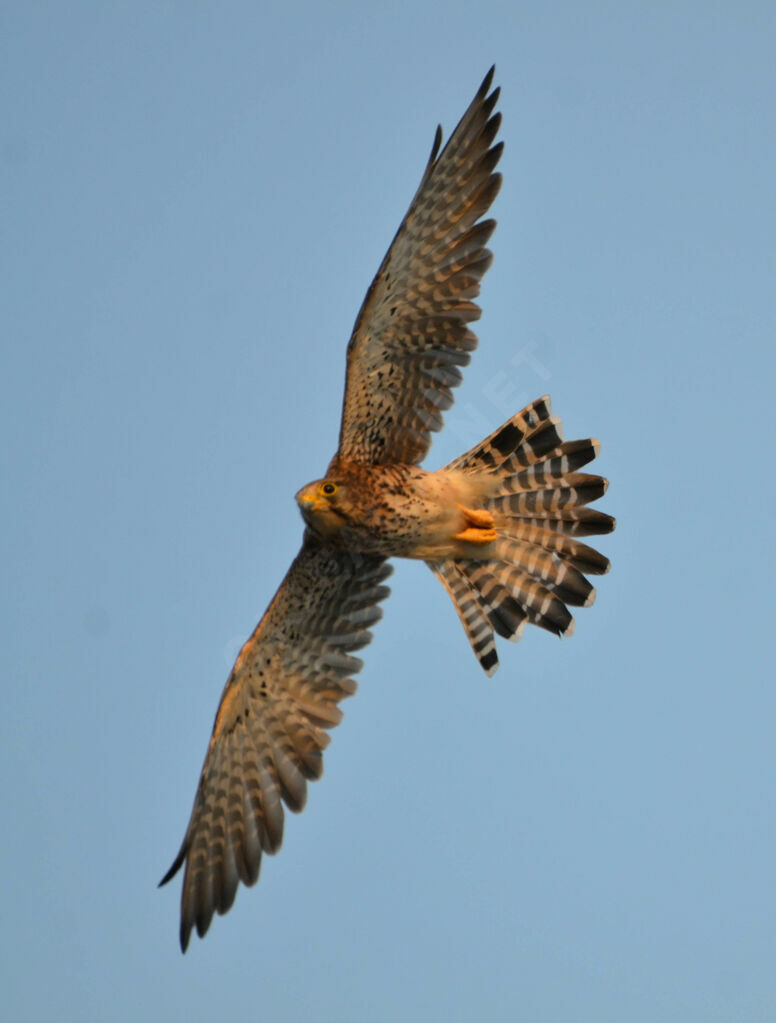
(403, 511)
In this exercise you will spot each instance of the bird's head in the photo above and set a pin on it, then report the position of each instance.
(324, 505)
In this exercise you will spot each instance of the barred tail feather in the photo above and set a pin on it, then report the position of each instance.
(536, 566)
(574, 522)
(545, 533)
(504, 611)
(471, 611)
(534, 562)
(523, 440)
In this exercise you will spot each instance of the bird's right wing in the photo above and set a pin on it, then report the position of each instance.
(269, 731)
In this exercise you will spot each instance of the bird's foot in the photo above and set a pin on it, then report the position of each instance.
(478, 526)
(476, 534)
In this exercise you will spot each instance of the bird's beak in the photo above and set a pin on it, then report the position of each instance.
(307, 501)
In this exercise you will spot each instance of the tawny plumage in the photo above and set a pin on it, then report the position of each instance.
(498, 526)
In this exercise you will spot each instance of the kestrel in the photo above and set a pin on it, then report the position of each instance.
(498, 526)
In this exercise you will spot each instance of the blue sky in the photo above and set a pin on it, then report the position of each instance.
(196, 197)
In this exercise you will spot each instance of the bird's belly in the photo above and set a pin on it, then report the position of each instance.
(418, 519)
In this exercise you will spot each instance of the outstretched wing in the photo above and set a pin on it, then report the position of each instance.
(269, 730)
(411, 335)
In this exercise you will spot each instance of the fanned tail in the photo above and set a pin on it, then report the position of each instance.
(535, 568)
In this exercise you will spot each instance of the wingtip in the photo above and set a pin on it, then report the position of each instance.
(435, 145)
(177, 863)
(487, 81)
(484, 96)
(168, 876)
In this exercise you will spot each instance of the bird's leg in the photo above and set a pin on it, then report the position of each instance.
(478, 526)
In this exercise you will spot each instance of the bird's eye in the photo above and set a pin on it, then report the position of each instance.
(329, 489)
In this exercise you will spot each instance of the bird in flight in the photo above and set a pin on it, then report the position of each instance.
(499, 526)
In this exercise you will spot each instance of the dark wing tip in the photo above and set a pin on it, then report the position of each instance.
(195, 916)
(180, 859)
(176, 866)
(436, 144)
(487, 81)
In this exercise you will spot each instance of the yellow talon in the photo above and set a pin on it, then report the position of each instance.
(476, 534)
(478, 526)
(477, 517)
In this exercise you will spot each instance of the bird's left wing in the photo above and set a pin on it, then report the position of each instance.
(411, 335)
(269, 731)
